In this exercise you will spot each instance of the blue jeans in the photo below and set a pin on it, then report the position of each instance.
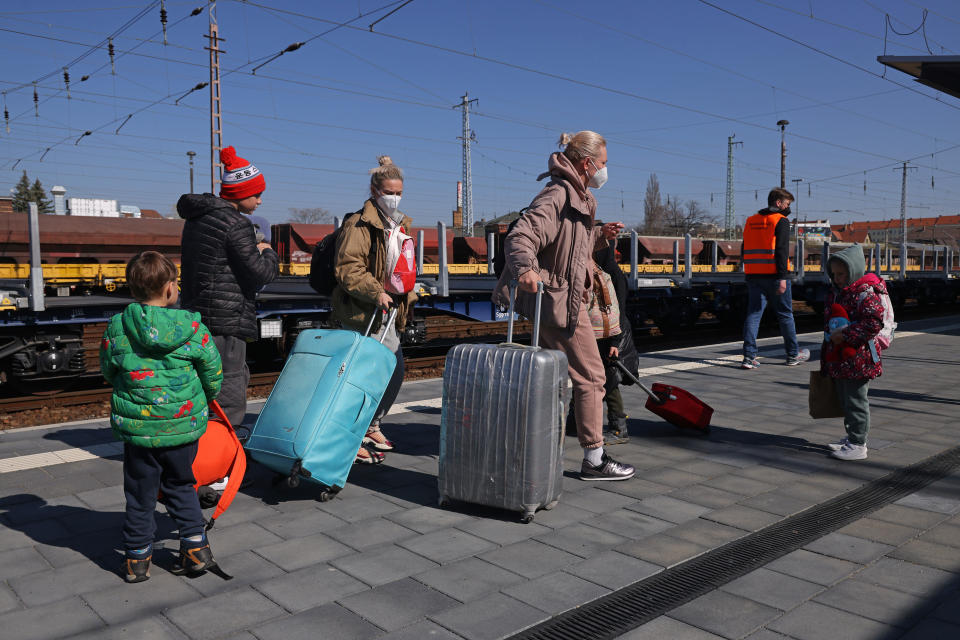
(760, 292)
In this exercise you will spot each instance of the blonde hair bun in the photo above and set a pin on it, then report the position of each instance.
(385, 170)
(565, 139)
(583, 144)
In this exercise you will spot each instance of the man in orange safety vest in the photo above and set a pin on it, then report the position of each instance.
(766, 265)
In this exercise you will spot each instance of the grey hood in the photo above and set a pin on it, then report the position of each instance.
(853, 258)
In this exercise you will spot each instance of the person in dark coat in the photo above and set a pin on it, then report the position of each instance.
(222, 266)
(620, 346)
(616, 431)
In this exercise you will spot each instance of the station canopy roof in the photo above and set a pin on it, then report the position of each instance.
(938, 72)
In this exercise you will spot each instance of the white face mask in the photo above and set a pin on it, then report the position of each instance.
(598, 179)
(388, 204)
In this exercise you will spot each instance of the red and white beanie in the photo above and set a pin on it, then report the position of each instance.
(240, 178)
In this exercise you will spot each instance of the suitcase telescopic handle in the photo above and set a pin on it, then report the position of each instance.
(535, 338)
(636, 381)
(373, 316)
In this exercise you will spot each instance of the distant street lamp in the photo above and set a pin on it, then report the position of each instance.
(783, 152)
(190, 155)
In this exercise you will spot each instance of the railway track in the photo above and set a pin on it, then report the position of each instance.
(48, 408)
(421, 362)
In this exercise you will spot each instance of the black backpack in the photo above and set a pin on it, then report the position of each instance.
(323, 262)
(500, 260)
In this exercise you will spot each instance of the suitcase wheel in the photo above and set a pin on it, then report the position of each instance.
(293, 481)
(443, 502)
(326, 496)
(526, 518)
(550, 505)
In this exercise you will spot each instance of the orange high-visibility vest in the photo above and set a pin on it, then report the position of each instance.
(760, 243)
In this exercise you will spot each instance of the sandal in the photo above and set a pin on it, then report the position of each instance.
(376, 439)
(365, 456)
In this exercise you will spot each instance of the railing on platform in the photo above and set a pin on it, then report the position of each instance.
(937, 261)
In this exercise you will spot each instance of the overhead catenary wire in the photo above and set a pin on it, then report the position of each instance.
(551, 127)
(92, 49)
(761, 81)
(117, 53)
(593, 85)
(825, 53)
(629, 94)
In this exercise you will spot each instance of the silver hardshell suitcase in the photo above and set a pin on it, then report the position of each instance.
(502, 423)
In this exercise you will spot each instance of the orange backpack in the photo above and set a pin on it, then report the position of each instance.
(219, 455)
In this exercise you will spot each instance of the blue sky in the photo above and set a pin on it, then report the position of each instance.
(665, 82)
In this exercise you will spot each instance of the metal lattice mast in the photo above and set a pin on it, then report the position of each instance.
(903, 221)
(728, 222)
(216, 115)
(466, 138)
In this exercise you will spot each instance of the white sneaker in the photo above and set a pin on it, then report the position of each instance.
(220, 484)
(850, 451)
(836, 446)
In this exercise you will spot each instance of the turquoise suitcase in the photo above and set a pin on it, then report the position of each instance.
(314, 421)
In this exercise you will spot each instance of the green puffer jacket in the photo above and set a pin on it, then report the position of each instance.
(164, 367)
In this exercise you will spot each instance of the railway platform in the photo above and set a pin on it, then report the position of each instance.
(653, 557)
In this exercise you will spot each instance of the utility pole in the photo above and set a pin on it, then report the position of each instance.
(903, 221)
(783, 152)
(216, 116)
(728, 222)
(190, 155)
(796, 222)
(796, 189)
(466, 138)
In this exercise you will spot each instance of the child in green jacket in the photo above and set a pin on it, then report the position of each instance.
(164, 368)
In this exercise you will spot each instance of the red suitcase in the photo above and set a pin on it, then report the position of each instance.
(673, 404)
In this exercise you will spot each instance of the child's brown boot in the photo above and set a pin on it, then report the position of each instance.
(136, 567)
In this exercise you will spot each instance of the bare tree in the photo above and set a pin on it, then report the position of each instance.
(691, 218)
(310, 215)
(653, 209)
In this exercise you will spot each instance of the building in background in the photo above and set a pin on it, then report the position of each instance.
(59, 200)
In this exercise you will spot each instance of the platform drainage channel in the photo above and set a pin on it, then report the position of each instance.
(619, 612)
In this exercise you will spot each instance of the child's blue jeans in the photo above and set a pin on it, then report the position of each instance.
(169, 470)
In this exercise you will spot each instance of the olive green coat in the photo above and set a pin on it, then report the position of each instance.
(361, 272)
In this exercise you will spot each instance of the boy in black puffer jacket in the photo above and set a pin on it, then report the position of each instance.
(222, 268)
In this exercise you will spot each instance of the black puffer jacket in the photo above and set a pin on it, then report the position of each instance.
(221, 267)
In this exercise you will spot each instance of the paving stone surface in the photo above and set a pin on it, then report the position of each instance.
(332, 621)
(397, 604)
(556, 592)
(613, 570)
(489, 618)
(814, 567)
(812, 621)
(382, 561)
(310, 587)
(469, 579)
(847, 547)
(891, 607)
(666, 627)
(773, 589)
(225, 613)
(725, 614)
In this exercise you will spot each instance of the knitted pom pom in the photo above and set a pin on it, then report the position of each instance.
(228, 156)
